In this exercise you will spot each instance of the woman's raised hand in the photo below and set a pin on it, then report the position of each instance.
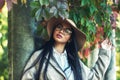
(106, 44)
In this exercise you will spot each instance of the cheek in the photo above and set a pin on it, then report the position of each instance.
(54, 34)
(66, 39)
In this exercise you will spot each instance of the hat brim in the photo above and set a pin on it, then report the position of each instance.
(80, 36)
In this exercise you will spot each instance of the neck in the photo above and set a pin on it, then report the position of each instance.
(59, 47)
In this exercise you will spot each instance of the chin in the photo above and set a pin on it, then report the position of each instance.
(60, 41)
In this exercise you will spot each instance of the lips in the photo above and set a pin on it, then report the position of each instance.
(59, 36)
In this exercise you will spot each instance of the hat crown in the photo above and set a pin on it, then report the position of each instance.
(71, 22)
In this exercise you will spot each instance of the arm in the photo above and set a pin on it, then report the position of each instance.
(98, 71)
(111, 68)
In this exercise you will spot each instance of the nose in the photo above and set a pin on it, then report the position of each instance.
(62, 30)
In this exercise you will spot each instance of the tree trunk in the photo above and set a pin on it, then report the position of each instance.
(20, 39)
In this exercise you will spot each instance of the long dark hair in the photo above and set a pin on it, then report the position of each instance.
(73, 58)
(72, 52)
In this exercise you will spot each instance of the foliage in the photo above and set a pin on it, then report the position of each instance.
(90, 15)
(118, 34)
(85, 13)
(3, 46)
(48, 8)
(118, 40)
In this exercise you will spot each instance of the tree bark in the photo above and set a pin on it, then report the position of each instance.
(20, 39)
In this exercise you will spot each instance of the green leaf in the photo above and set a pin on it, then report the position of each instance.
(84, 2)
(103, 5)
(75, 18)
(47, 14)
(35, 4)
(62, 5)
(87, 22)
(38, 15)
(98, 19)
(53, 10)
(92, 9)
(63, 14)
(66, 14)
(44, 2)
(109, 10)
(33, 12)
(82, 21)
(83, 13)
(90, 27)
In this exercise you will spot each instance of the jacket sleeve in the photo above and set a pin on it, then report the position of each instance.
(29, 74)
(111, 70)
(98, 71)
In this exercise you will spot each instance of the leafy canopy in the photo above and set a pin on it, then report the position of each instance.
(85, 13)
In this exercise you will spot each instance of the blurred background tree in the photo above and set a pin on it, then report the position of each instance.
(3, 42)
(20, 37)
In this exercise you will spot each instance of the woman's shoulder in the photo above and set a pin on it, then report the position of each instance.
(36, 53)
(32, 58)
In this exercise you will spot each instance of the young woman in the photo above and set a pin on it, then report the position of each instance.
(58, 59)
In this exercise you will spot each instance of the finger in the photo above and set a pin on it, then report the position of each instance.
(105, 41)
(109, 43)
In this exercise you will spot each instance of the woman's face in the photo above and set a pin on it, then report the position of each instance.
(62, 33)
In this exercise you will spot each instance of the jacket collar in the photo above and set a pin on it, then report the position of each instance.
(55, 65)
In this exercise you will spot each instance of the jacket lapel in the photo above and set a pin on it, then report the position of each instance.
(55, 65)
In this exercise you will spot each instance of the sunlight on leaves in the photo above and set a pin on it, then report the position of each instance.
(1, 77)
(3, 44)
(23, 1)
(118, 21)
(1, 51)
